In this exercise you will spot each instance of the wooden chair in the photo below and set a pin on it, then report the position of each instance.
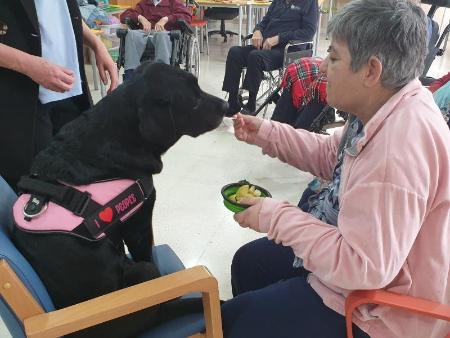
(407, 303)
(27, 309)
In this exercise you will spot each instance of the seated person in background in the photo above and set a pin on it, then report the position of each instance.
(436, 84)
(156, 18)
(441, 94)
(285, 20)
(304, 94)
(383, 222)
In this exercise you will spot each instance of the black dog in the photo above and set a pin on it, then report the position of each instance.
(123, 136)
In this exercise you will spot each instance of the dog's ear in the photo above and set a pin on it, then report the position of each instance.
(153, 113)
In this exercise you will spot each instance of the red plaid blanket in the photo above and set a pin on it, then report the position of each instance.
(305, 82)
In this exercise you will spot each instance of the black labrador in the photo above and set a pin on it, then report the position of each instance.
(122, 136)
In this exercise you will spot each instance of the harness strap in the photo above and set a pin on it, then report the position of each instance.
(119, 209)
(78, 202)
(97, 218)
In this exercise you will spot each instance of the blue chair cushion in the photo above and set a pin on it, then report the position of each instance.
(165, 258)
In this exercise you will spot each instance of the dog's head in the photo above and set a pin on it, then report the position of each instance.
(126, 133)
(171, 104)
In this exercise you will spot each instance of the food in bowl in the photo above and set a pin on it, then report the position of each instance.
(244, 191)
(234, 192)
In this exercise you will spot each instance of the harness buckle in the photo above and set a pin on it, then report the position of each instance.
(35, 207)
(84, 204)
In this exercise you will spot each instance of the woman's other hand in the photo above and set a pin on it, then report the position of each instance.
(159, 27)
(269, 43)
(246, 127)
(249, 218)
(257, 39)
(106, 67)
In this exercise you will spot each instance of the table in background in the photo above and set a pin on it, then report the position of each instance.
(226, 4)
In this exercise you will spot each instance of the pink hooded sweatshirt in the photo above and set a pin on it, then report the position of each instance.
(393, 228)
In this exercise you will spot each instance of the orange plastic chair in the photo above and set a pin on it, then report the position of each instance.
(203, 34)
(201, 27)
(407, 303)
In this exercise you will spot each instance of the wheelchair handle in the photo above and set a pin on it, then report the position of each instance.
(293, 43)
(133, 24)
(121, 32)
(245, 38)
(296, 43)
(184, 27)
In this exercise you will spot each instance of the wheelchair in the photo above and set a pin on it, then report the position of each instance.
(303, 103)
(437, 43)
(270, 86)
(185, 47)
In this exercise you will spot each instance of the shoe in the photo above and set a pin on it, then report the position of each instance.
(232, 109)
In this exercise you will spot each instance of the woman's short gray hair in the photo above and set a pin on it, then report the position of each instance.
(392, 30)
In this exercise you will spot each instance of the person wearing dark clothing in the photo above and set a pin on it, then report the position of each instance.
(42, 80)
(285, 20)
(304, 94)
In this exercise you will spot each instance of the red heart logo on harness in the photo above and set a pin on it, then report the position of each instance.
(106, 215)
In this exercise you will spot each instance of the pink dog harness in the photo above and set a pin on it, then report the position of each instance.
(103, 205)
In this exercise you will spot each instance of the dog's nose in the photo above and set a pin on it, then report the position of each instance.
(224, 108)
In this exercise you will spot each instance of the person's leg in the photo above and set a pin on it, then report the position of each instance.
(135, 43)
(50, 118)
(163, 47)
(43, 128)
(236, 61)
(285, 110)
(289, 308)
(62, 112)
(307, 115)
(258, 62)
(260, 263)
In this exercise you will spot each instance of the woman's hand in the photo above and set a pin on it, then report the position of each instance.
(105, 63)
(246, 127)
(271, 42)
(106, 67)
(159, 27)
(257, 39)
(249, 218)
(146, 25)
(49, 75)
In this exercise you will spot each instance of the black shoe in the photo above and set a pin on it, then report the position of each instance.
(232, 110)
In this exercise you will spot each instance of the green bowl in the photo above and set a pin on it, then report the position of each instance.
(231, 189)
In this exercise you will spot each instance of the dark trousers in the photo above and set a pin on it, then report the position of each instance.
(273, 299)
(256, 61)
(48, 120)
(51, 117)
(286, 112)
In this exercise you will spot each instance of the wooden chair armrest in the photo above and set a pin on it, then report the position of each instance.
(129, 300)
(382, 297)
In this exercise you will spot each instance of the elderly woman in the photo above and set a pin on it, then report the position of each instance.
(382, 222)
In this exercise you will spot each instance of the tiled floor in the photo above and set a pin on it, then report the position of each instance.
(189, 214)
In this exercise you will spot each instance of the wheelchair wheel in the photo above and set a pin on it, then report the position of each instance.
(192, 64)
